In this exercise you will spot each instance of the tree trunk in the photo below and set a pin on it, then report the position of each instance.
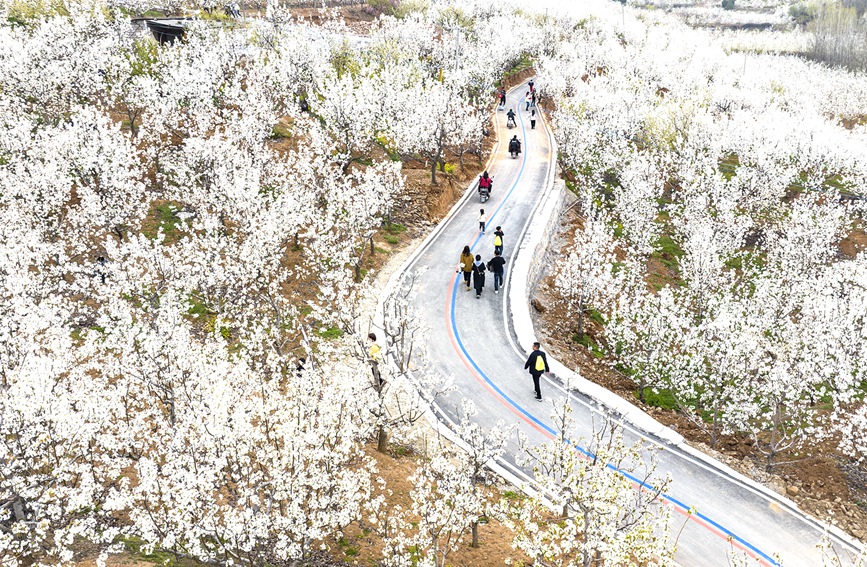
(372, 249)
(475, 531)
(433, 172)
(381, 440)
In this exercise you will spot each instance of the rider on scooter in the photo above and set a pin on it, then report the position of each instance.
(515, 145)
(510, 118)
(485, 182)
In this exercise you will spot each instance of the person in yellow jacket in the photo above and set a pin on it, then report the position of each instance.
(375, 354)
(466, 265)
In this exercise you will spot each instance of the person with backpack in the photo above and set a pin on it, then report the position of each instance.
(537, 364)
(502, 99)
(498, 240)
(478, 275)
(466, 265)
(496, 266)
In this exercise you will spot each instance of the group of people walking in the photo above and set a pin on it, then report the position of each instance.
(474, 268)
(530, 99)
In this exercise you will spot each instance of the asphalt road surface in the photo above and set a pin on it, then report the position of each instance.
(473, 340)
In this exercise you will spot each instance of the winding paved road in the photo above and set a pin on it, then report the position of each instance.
(474, 341)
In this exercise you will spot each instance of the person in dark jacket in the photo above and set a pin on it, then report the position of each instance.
(537, 364)
(496, 267)
(478, 275)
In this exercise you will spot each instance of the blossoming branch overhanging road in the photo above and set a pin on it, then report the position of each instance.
(473, 340)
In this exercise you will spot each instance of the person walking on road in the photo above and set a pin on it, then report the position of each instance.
(478, 275)
(498, 240)
(466, 265)
(496, 267)
(528, 98)
(483, 218)
(537, 364)
(502, 99)
(533, 119)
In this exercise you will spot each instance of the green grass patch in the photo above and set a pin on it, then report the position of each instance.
(728, 165)
(735, 263)
(399, 450)
(660, 398)
(512, 496)
(524, 63)
(79, 333)
(391, 239)
(216, 16)
(668, 251)
(134, 546)
(163, 215)
(280, 132)
(349, 550)
(591, 345)
(197, 308)
(596, 316)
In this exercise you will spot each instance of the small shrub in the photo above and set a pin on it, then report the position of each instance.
(450, 168)
(330, 333)
(280, 132)
(728, 4)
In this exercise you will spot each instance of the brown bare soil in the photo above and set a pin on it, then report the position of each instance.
(855, 242)
(364, 546)
(822, 482)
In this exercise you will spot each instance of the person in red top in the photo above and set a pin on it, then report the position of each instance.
(485, 182)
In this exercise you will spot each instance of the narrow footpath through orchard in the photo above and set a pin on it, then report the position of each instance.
(476, 342)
